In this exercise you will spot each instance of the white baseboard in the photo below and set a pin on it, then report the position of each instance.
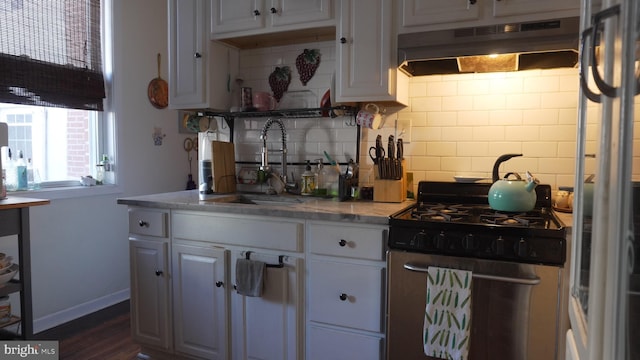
(52, 320)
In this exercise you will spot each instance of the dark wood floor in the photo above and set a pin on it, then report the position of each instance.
(110, 340)
(102, 336)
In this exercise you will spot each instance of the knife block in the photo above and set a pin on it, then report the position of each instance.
(394, 191)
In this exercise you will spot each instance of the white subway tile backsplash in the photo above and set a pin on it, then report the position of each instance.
(540, 149)
(497, 148)
(426, 104)
(522, 133)
(441, 148)
(455, 163)
(559, 100)
(442, 88)
(472, 87)
(457, 133)
(540, 117)
(523, 101)
(558, 132)
(489, 133)
(441, 118)
(473, 118)
(541, 84)
(457, 124)
(457, 103)
(472, 148)
(489, 102)
(505, 117)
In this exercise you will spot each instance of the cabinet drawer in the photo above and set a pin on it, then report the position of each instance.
(341, 345)
(148, 222)
(347, 241)
(261, 232)
(346, 295)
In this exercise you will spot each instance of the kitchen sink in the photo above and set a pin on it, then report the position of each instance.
(259, 199)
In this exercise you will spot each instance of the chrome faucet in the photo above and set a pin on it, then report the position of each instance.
(264, 165)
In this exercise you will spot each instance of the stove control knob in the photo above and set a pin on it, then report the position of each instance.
(522, 248)
(419, 240)
(441, 241)
(468, 242)
(499, 246)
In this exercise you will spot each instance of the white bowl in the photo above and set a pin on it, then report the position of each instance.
(7, 274)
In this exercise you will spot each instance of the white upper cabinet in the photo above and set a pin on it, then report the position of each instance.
(523, 7)
(199, 69)
(237, 15)
(288, 12)
(421, 12)
(365, 53)
(256, 17)
(424, 15)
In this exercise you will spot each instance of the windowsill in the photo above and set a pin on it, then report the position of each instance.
(67, 192)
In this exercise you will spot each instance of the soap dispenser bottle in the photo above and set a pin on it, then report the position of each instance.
(308, 180)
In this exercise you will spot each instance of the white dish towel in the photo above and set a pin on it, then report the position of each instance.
(447, 319)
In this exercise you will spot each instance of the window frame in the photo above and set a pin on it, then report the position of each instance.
(102, 128)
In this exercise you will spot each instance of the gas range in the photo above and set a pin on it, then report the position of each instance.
(455, 219)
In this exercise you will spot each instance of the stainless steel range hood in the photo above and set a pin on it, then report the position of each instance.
(533, 45)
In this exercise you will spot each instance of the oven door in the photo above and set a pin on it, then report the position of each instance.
(514, 313)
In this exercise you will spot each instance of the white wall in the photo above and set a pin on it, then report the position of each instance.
(80, 259)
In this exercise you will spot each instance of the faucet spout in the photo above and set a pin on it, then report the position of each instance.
(264, 164)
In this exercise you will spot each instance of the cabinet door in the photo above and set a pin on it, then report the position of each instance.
(150, 316)
(237, 15)
(187, 52)
(364, 71)
(269, 327)
(523, 7)
(200, 301)
(287, 12)
(427, 12)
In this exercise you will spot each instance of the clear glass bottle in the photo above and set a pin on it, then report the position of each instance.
(99, 174)
(22, 182)
(321, 186)
(11, 175)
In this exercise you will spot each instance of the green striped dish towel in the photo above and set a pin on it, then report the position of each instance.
(447, 318)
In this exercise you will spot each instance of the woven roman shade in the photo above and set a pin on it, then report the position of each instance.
(50, 53)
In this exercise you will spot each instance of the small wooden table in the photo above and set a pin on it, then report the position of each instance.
(14, 220)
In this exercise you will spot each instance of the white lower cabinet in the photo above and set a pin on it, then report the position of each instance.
(150, 320)
(200, 300)
(346, 291)
(270, 327)
(323, 298)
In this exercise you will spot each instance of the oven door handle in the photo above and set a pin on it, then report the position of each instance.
(521, 281)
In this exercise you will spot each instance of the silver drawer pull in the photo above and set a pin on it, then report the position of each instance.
(143, 223)
(521, 281)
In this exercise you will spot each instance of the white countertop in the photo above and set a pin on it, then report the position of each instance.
(310, 208)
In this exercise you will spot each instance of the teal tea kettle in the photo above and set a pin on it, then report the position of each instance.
(512, 195)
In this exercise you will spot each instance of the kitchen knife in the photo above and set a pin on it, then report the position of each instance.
(380, 156)
(399, 158)
(391, 153)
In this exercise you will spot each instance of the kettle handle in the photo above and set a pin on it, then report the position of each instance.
(500, 160)
(506, 177)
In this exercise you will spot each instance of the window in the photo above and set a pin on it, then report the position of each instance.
(52, 86)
